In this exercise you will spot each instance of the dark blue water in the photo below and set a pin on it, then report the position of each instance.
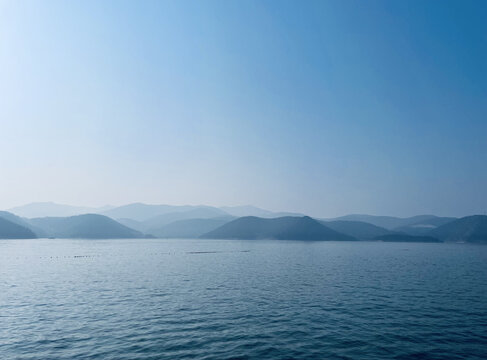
(207, 299)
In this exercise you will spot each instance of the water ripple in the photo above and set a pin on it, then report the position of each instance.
(152, 299)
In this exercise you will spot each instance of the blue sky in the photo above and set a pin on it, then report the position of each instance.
(322, 107)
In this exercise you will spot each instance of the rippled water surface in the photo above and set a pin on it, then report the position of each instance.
(211, 299)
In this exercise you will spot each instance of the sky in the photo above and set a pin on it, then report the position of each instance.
(320, 107)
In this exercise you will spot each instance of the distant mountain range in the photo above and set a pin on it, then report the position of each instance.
(249, 210)
(190, 228)
(43, 209)
(159, 224)
(142, 212)
(140, 220)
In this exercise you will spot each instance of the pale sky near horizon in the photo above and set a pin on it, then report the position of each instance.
(320, 107)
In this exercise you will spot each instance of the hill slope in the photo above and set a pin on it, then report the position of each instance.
(11, 230)
(144, 212)
(133, 224)
(41, 209)
(249, 210)
(88, 226)
(190, 228)
(358, 229)
(160, 221)
(472, 229)
(22, 222)
(283, 228)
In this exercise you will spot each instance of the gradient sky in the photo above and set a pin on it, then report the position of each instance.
(322, 107)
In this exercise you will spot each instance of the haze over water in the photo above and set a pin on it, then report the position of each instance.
(358, 123)
(220, 299)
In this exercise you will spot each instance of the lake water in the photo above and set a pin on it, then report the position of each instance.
(213, 299)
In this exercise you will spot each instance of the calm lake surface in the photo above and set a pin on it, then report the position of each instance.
(227, 299)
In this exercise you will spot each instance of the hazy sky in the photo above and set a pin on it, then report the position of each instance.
(325, 107)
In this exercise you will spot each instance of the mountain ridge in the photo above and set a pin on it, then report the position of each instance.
(358, 229)
(388, 222)
(471, 229)
(12, 230)
(88, 226)
(282, 228)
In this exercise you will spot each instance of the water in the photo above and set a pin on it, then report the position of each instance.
(210, 299)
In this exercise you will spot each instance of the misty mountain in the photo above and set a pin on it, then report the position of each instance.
(387, 222)
(133, 224)
(155, 224)
(88, 226)
(144, 212)
(22, 222)
(472, 229)
(42, 209)
(283, 228)
(158, 222)
(424, 227)
(249, 210)
(14, 218)
(11, 230)
(189, 228)
(358, 229)
(407, 238)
